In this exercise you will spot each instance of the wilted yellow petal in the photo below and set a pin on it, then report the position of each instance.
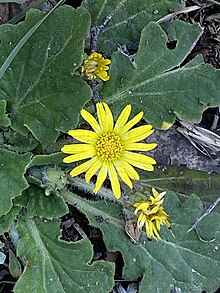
(152, 214)
(96, 66)
(155, 193)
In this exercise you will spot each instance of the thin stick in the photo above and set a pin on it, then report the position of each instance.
(207, 212)
(213, 2)
(201, 239)
(95, 32)
(93, 84)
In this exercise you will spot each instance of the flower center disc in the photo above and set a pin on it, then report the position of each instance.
(109, 146)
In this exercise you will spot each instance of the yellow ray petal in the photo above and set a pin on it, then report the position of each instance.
(123, 118)
(155, 231)
(91, 120)
(103, 75)
(132, 173)
(155, 192)
(138, 157)
(141, 220)
(149, 229)
(79, 156)
(142, 206)
(158, 224)
(93, 169)
(76, 148)
(123, 174)
(82, 168)
(103, 67)
(114, 181)
(137, 133)
(101, 115)
(131, 123)
(83, 135)
(101, 177)
(109, 118)
(140, 146)
(105, 61)
(142, 165)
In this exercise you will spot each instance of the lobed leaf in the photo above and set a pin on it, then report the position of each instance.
(178, 261)
(183, 182)
(12, 183)
(41, 205)
(56, 266)
(43, 95)
(157, 84)
(4, 120)
(8, 219)
(50, 159)
(127, 19)
(14, 141)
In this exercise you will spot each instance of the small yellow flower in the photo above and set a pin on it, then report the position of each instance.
(152, 214)
(96, 66)
(109, 148)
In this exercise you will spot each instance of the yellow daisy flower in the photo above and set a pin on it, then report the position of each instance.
(96, 66)
(152, 214)
(109, 148)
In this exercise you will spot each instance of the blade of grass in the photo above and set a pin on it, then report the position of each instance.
(25, 38)
(22, 14)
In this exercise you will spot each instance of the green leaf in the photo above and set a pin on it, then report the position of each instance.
(183, 182)
(179, 260)
(39, 204)
(14, 141)
(154, 84)
(23, 40)
(14, 265)
(51, 159)
(4, 120)
(8, 219)
(52, 179)
(41, 93)
(58, 266)
(127, 19)
(12, 183)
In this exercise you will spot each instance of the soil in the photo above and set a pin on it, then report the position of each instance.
(175, 149)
